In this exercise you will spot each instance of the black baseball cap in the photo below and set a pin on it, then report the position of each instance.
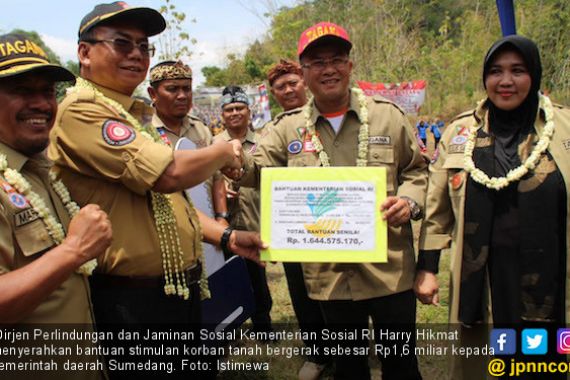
(150, 20)
(19, 55)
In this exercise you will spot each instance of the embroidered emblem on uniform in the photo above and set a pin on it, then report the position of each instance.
(566, 144)
(163, 136)
(294, 147)
(456, 181)
(380, 140)
(301, 131)
(7, 187)
(459, 140)
(462, 131)
(117, 134)
(24, 217)
(18, 200)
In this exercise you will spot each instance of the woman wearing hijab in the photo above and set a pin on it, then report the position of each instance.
(498, 197)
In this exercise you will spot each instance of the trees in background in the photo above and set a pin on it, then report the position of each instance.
(442, 41)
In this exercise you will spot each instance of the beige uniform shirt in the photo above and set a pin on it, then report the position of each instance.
(103, 160)
(244, 211)
(391, 145)
(192, 128)
(25, 238)
(443, 224)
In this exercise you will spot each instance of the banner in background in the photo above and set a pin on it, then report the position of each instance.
(206, 105)
(410, 96)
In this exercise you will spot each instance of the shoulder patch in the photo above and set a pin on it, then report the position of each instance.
(380, 99)
(116, 133)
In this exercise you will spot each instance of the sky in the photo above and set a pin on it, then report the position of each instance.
(221, 27)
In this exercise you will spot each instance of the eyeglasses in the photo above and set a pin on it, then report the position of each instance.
(125, 46)
(337, 63)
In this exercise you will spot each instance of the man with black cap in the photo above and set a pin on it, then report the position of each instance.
(107, 154)
(243, 204)
(42, 271)
(342, 127)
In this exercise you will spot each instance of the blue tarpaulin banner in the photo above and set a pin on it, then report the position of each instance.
(506, 10)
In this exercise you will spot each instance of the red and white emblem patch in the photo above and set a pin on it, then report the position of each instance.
(116, 133)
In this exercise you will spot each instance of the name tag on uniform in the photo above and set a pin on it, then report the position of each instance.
(25, 217)
(379, 140)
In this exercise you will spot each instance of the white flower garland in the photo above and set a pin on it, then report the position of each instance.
(164, 218)
(55, 229)
(498, 183)
(362, 159)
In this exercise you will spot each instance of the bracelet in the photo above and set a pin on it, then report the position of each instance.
(225, 240)
(224, 215)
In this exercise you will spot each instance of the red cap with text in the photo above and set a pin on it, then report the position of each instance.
(320, 32)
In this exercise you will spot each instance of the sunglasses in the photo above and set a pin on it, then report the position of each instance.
(125, 46)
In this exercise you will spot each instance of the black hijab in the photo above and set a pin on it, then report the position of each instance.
(511, 127)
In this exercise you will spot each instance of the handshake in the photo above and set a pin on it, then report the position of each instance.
(234, 158)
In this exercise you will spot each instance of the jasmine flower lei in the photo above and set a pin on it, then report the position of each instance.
(54, 228)
(498, 183)
(164, 218)
(362, 159)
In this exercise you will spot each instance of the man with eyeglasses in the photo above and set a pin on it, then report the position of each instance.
(243, 204)
(107, 154)
(350, 294)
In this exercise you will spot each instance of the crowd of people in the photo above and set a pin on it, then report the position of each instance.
(96, 228)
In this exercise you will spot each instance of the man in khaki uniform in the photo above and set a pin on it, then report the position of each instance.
(351, 293)
(171, 94)
(39, 282)
(243, 203)
(107, 155)
(289, 89)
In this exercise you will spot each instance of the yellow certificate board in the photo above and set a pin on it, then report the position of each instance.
(324, 214)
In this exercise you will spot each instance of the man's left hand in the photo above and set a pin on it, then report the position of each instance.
(247, 245)
(396, 211)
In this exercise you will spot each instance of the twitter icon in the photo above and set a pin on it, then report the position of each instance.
(534, 341)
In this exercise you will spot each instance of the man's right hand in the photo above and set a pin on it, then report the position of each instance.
(89, 233)
(232, 154)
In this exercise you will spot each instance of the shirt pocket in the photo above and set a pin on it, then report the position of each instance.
(33, 238)
(301, 160)
(383, 156)
(456, 175)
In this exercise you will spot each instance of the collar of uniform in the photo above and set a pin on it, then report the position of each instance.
(353, 106)
(124, 100)
(157, 123)
(249, 136)
(16, 160)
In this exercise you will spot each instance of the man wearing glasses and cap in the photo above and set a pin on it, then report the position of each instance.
(328, 132)
(45, 239)
(106, 154)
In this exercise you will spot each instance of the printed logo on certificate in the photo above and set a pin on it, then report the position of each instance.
(323, 214)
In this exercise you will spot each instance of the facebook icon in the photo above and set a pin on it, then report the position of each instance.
(504, 341)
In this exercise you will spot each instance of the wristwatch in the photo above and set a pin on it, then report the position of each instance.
(415, 210)
(224, 241)
(223, 215)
